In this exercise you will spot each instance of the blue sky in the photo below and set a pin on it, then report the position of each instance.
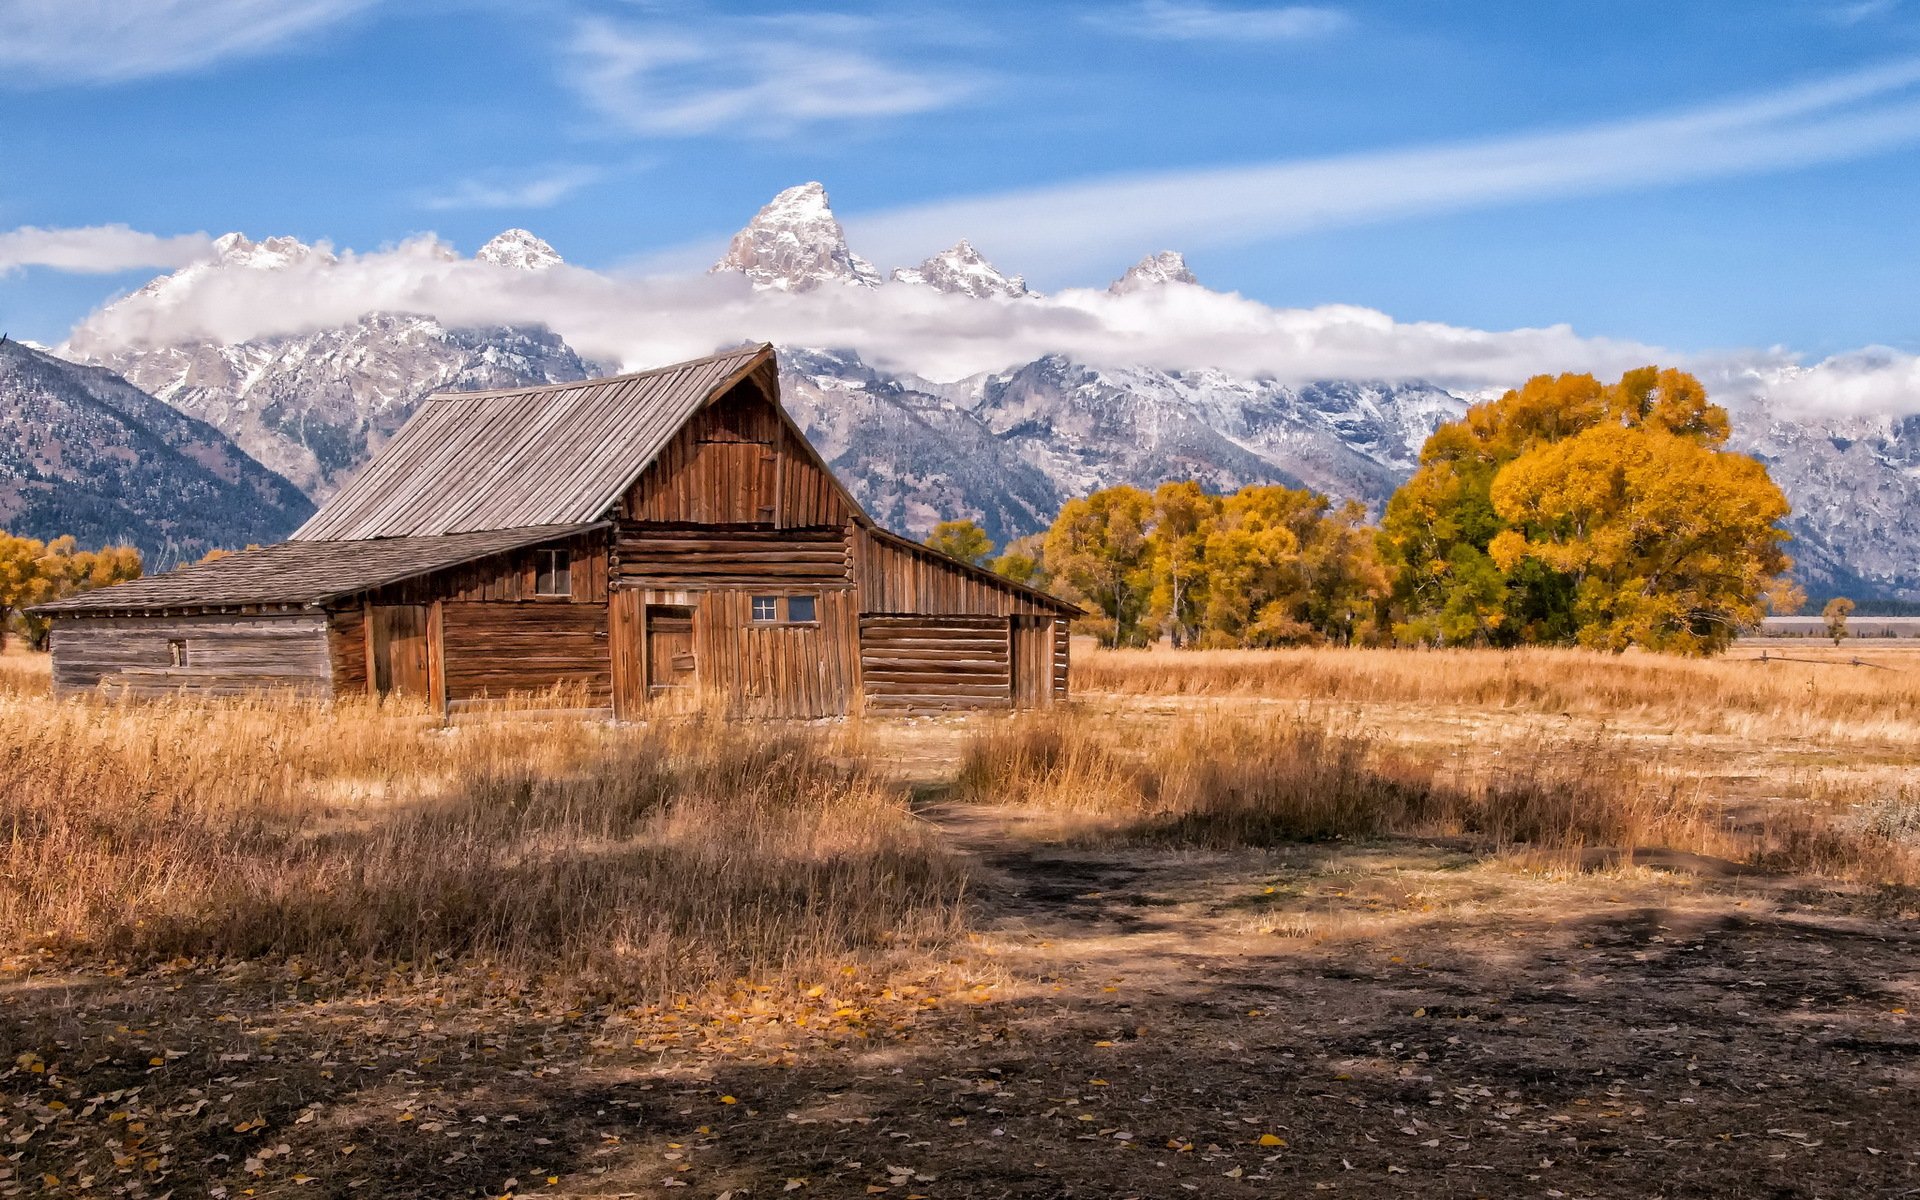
(626, 133)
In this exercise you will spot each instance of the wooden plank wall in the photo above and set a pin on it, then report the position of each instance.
(701, 556)
(347, 650)
(1061, 642)
(935, 663)
(895, 579)
(226, 654)
(492, 649)
(508, 576)
(737, 463)
(777, 670)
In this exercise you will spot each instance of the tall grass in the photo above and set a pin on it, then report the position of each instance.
(1734, 693)
(1230, 779)
(620, 861)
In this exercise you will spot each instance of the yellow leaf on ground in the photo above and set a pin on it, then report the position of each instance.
(1268, 1139)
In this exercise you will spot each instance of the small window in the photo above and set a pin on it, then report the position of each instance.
(800, 609)
(177, 652)
(553, 573)
(766, 608)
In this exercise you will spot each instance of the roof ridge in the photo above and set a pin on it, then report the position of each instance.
(747, 349)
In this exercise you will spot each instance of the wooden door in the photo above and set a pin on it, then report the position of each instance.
(626, 629)
(1032, 662)
(670, 662)
(400, 650)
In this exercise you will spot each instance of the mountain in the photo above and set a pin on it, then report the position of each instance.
(1155, 270)
(86, 453)
(314, 406)
(795, 244)
(961, 271)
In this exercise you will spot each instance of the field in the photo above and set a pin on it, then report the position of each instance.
(1369, 923)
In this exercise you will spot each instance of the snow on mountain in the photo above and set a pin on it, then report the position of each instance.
(235, 252)
(795, 244)
(962, 271)
(1155, 270)
(521, 250)
(84, 452)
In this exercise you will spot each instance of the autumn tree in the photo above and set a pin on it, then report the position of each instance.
(964, 540)
(1024, 561)
(1184, 514)
(34, 572)
(1835, 614)
(1097, 551)
(1571, 510)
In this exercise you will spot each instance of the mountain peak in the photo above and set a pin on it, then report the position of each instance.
(269, 254)
(962, 271)
(521, 250)
(795, 244)
(1155, 270)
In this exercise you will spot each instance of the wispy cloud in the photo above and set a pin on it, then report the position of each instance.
(1860, 11)
(1197, 21)
(1106, 222)
(97, 249)
(755, 75)
(539, 191)
(107, 41)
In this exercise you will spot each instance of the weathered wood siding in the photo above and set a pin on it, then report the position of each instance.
(731, 556)
(1061, 667)
(1039, 664)
(896, 578)
(347, 635)
(933, 663)
(493, 649)
(737, 462)
(777, 669)
(224, 654)
(509, 576)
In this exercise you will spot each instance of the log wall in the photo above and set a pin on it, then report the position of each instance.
(224, 654)
(935, 663)
(492, 649)
(660, 556)
(903, 578)
(347, 650)
(509, 576)
(738, 462)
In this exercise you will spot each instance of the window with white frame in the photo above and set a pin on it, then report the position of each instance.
(766, 609)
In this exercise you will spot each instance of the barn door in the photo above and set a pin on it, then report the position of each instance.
(400, 652)
(626, 626)
(670, 662)
(1032, 662)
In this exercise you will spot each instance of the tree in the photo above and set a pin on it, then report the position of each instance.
(1024, 561)
(1835, 614)
(1183, 516)
(1567, 511)
(964, 540)
(1098, 554)
(34, 572)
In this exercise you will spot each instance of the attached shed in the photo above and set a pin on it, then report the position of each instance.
(657, 536)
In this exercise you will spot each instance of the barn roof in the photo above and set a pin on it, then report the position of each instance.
(304, 573)
(521, 457)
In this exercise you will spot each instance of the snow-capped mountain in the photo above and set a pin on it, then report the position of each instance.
(961, 271)
(86, 453)
(521, 250)
(1155, 270)
(795, 244)
(314, 406)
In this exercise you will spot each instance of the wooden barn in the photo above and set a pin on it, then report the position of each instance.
(666, 534)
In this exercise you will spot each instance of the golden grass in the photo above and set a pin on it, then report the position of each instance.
(636, 862)
(1734, 693)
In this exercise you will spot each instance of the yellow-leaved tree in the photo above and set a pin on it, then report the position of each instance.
(1097, 554)
(34, 572)
(962, 539)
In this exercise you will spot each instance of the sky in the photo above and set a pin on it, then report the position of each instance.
(1715, 178)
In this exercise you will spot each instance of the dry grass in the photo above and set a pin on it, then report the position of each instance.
(1734, 694)
(643, 861)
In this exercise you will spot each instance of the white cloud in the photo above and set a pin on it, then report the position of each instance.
(107, 41)
(97, 249)
(540, 191)
(1189, 21)
(1106, 222)
(760, 75)
(1874, 380)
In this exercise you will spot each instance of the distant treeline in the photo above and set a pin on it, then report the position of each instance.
(1568, 511)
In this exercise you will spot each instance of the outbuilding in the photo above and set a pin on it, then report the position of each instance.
(666, 534)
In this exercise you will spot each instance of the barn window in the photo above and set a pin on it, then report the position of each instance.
(766, 608)
(553, 573)
(177, 652)
(800, 608)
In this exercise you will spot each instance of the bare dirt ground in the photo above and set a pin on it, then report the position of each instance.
(1385, 1018)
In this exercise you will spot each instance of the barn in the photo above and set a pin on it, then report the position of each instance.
(663, 535)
